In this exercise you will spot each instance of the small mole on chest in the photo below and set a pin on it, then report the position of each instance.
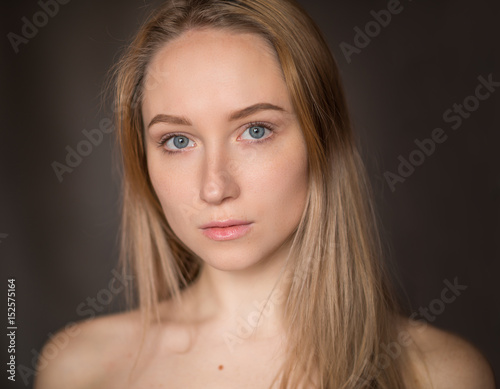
(221, 367)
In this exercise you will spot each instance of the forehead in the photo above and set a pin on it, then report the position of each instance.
(207, 68)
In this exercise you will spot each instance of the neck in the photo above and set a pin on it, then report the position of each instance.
(254, 296)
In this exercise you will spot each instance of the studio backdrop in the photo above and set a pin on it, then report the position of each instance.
(423, 84)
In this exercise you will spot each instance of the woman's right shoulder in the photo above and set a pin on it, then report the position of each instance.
(80, 354)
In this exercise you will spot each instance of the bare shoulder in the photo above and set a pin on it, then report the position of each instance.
(442, 360)
(80, 354)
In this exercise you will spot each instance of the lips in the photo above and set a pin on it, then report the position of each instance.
(226, 230)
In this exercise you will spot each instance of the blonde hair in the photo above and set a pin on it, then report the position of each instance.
(339, 302)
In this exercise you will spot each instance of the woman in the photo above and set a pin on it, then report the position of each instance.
(247, 222)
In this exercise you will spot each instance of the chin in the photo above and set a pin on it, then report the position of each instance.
(244, 258)
(231, 262)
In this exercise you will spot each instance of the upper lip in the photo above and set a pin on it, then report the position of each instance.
(225, 223)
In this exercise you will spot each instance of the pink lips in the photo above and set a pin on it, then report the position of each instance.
(226, 230)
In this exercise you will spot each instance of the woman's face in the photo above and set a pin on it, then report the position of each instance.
(225, 151)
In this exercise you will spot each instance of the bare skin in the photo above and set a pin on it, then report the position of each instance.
(210, 88)
(107, 348)
(443, 360)
(173, 356)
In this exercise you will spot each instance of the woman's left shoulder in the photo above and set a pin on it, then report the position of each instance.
(445, 359)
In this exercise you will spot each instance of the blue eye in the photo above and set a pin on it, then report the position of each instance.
(256, 132)
(178, 142)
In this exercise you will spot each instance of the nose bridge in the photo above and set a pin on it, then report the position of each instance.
(217, 182)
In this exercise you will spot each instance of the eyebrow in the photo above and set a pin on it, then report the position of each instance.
(239, 114)
(245, 112)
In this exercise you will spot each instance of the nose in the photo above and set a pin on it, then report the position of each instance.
(219, 182)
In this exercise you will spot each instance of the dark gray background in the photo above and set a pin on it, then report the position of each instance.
(441, 223)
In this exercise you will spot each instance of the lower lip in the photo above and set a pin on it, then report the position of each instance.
(226, 233)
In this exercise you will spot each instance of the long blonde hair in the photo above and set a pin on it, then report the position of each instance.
(340, 302)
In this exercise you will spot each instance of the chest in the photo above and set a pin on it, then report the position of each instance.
(207, 363)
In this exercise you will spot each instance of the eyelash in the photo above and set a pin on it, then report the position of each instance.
(267, 126)
(167, 137)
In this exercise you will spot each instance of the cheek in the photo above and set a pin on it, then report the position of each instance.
(175, 188)
(282, 189)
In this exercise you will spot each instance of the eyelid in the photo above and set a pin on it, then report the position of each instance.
(266, 125)
(167, 137)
